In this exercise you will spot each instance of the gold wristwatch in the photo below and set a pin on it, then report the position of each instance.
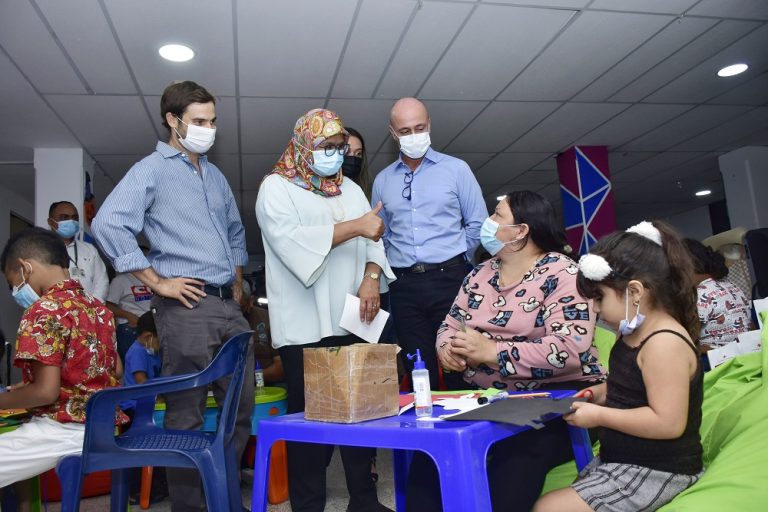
(373, 275)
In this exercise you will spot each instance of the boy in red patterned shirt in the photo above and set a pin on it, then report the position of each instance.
(65, 348)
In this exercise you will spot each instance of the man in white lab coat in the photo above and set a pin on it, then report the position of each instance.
(85, 264)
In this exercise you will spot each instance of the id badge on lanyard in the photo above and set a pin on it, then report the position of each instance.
(76, 272)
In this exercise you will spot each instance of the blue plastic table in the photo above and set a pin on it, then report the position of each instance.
(459, 449)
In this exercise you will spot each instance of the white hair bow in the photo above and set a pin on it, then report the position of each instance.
(594, 267)
(647, 230)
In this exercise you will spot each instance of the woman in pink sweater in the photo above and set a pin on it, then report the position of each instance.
(517, 323)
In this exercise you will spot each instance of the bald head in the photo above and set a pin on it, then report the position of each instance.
(408, 116)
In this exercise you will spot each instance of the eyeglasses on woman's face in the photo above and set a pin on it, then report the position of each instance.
(332, 149)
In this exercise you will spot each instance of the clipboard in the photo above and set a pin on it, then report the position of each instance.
(528, 412)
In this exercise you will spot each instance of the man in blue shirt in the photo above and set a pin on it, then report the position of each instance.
(433, 210)
(185, 207)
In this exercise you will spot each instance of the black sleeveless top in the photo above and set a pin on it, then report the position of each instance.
(626, 390)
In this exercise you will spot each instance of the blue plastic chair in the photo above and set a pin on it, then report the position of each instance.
(146, 444)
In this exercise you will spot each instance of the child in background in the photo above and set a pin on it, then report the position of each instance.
(65, 348)
(650, 407)
(724, 311)
(142, 363)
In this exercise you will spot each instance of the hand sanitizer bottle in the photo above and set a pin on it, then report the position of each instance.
(258, 377)
(421, 388)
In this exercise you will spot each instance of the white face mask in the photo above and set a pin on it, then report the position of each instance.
(415, 145)
(199, 139)
(148, 347)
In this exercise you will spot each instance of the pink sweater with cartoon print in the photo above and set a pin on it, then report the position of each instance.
(541, 326)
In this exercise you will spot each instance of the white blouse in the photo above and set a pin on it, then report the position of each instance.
(307, 280)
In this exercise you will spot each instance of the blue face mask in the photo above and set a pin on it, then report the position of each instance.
(23, 294)
(68, 228)
(325, 165)
(488, 236)
(627, 326)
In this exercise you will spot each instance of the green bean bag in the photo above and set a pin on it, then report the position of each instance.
(734, 434)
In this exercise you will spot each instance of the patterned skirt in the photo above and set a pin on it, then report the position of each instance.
(615, 487)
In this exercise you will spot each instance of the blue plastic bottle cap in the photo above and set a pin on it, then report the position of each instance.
(418, 364)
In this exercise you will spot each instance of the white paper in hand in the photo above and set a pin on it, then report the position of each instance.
(350, 320)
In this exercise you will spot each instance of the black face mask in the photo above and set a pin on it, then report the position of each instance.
(352, 166)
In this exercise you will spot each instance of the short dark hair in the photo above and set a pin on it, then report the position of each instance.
(56, 205)
(40, 244)
(146, 323)
(706, 261)
(533, 209)
(179, 95)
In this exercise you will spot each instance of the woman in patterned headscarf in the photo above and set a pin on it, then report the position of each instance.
(316, 130)
(321, 242)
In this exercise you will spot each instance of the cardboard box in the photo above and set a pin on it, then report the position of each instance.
(350, 384)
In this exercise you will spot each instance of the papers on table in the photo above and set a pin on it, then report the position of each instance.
(746, 343)
(350, 320)
(455, 400)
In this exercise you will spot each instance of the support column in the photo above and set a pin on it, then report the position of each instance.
(585, 186)
(59, 176)
(745, 178)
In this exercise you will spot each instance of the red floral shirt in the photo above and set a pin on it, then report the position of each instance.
(72, 330)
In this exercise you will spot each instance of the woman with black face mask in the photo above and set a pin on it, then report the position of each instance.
(355, 166)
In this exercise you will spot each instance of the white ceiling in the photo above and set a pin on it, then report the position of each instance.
(509, 84)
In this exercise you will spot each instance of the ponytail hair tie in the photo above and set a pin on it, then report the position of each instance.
(647, 230)
(594, 267)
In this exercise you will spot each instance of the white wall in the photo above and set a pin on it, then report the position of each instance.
(10, 312)
(59, 176)
(694, 223)
(745, 177)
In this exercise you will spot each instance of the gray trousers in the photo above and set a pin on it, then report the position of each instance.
(189, 339)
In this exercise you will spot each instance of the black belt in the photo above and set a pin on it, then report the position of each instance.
(223, 292)
(420, 268)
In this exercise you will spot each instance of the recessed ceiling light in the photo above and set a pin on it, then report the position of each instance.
(176, 52)
(702, 193)
(735, 69)
(499, 198)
